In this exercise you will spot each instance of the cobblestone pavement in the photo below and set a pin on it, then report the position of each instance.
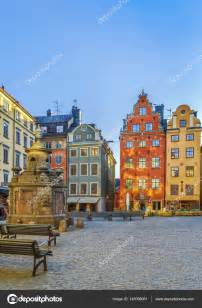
(155, 253)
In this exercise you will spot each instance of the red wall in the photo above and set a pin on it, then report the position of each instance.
(137, 152)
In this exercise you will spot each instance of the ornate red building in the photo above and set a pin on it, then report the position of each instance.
(142, 157)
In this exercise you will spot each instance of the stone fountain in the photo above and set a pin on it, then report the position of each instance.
(37, 195)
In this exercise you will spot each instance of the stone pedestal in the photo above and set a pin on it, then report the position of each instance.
(37, 194)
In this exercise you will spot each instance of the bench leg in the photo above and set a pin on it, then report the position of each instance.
(36, 265)
(54, 240)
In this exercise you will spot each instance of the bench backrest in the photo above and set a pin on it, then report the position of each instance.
(29, 229)
(19, 247)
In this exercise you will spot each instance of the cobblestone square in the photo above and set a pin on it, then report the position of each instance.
(155, 253)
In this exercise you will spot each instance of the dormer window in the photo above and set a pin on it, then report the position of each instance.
(44, 129)
(59, 129)
(78, 137)
(89, 136)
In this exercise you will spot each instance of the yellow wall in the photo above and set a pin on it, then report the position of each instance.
(10, 117)
(193, 126)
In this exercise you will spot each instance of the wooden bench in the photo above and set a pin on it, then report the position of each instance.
(27, 248)
(12, 230)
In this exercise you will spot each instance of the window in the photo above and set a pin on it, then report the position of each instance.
(73, 189)
(189, 152)
(83, 188)
(136, 128)
(31, 141)
(58, 145)
(94, 169)
(18, 116)
(17, 159)
(48, 145)
(175, 138)
(78, 137)
(89, 136)
(5, 129)
(190, 137)
(17, 136)
(142, 184)
(142, 162)
(94, 151)
(148, 127)
(84, 152)
(25, 122)
(24, 161)
(129, 144)
(5, 154)
(58, 159)
(84, 169)
(73, 152)
(189, 190)
(155, 162)
(43, 129)
(174, 153)
(142, 144)
(31, 126)
(175, 171)
(25, 140)
(59, 129)
(189, 171)
(129, 163)
(156, 143)
(155, 183)
(174, 190)
(73, 170)
(183, 123)
(129, 184)
(142, 111)
(94, 188)
(5, 105)
(5, 177)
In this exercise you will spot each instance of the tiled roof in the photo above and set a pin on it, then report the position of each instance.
(53, 119)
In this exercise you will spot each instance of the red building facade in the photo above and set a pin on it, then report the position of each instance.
(142, 157)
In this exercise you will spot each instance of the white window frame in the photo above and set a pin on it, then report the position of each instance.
(154, 181)
(70, 189)
(74, 149)
(91, 151)
(70, 169)
(80, 169)
(86, 188)
(91, 189)
(97, 169)
(154, 160)
(84, 148)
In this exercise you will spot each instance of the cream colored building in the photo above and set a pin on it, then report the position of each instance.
(183, 140)
(16, 134)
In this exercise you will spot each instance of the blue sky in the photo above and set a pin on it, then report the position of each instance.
(64, 51)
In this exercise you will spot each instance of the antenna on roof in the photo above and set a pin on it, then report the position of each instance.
(57, 107)
(170, 112)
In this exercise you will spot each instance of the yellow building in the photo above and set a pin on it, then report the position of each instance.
(183, 139)
(16, 134)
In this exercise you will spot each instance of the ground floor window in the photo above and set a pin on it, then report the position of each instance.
(156, 205)
(73, 189)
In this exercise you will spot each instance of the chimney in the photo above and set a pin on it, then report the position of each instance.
(76, 113)
(48, 113)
